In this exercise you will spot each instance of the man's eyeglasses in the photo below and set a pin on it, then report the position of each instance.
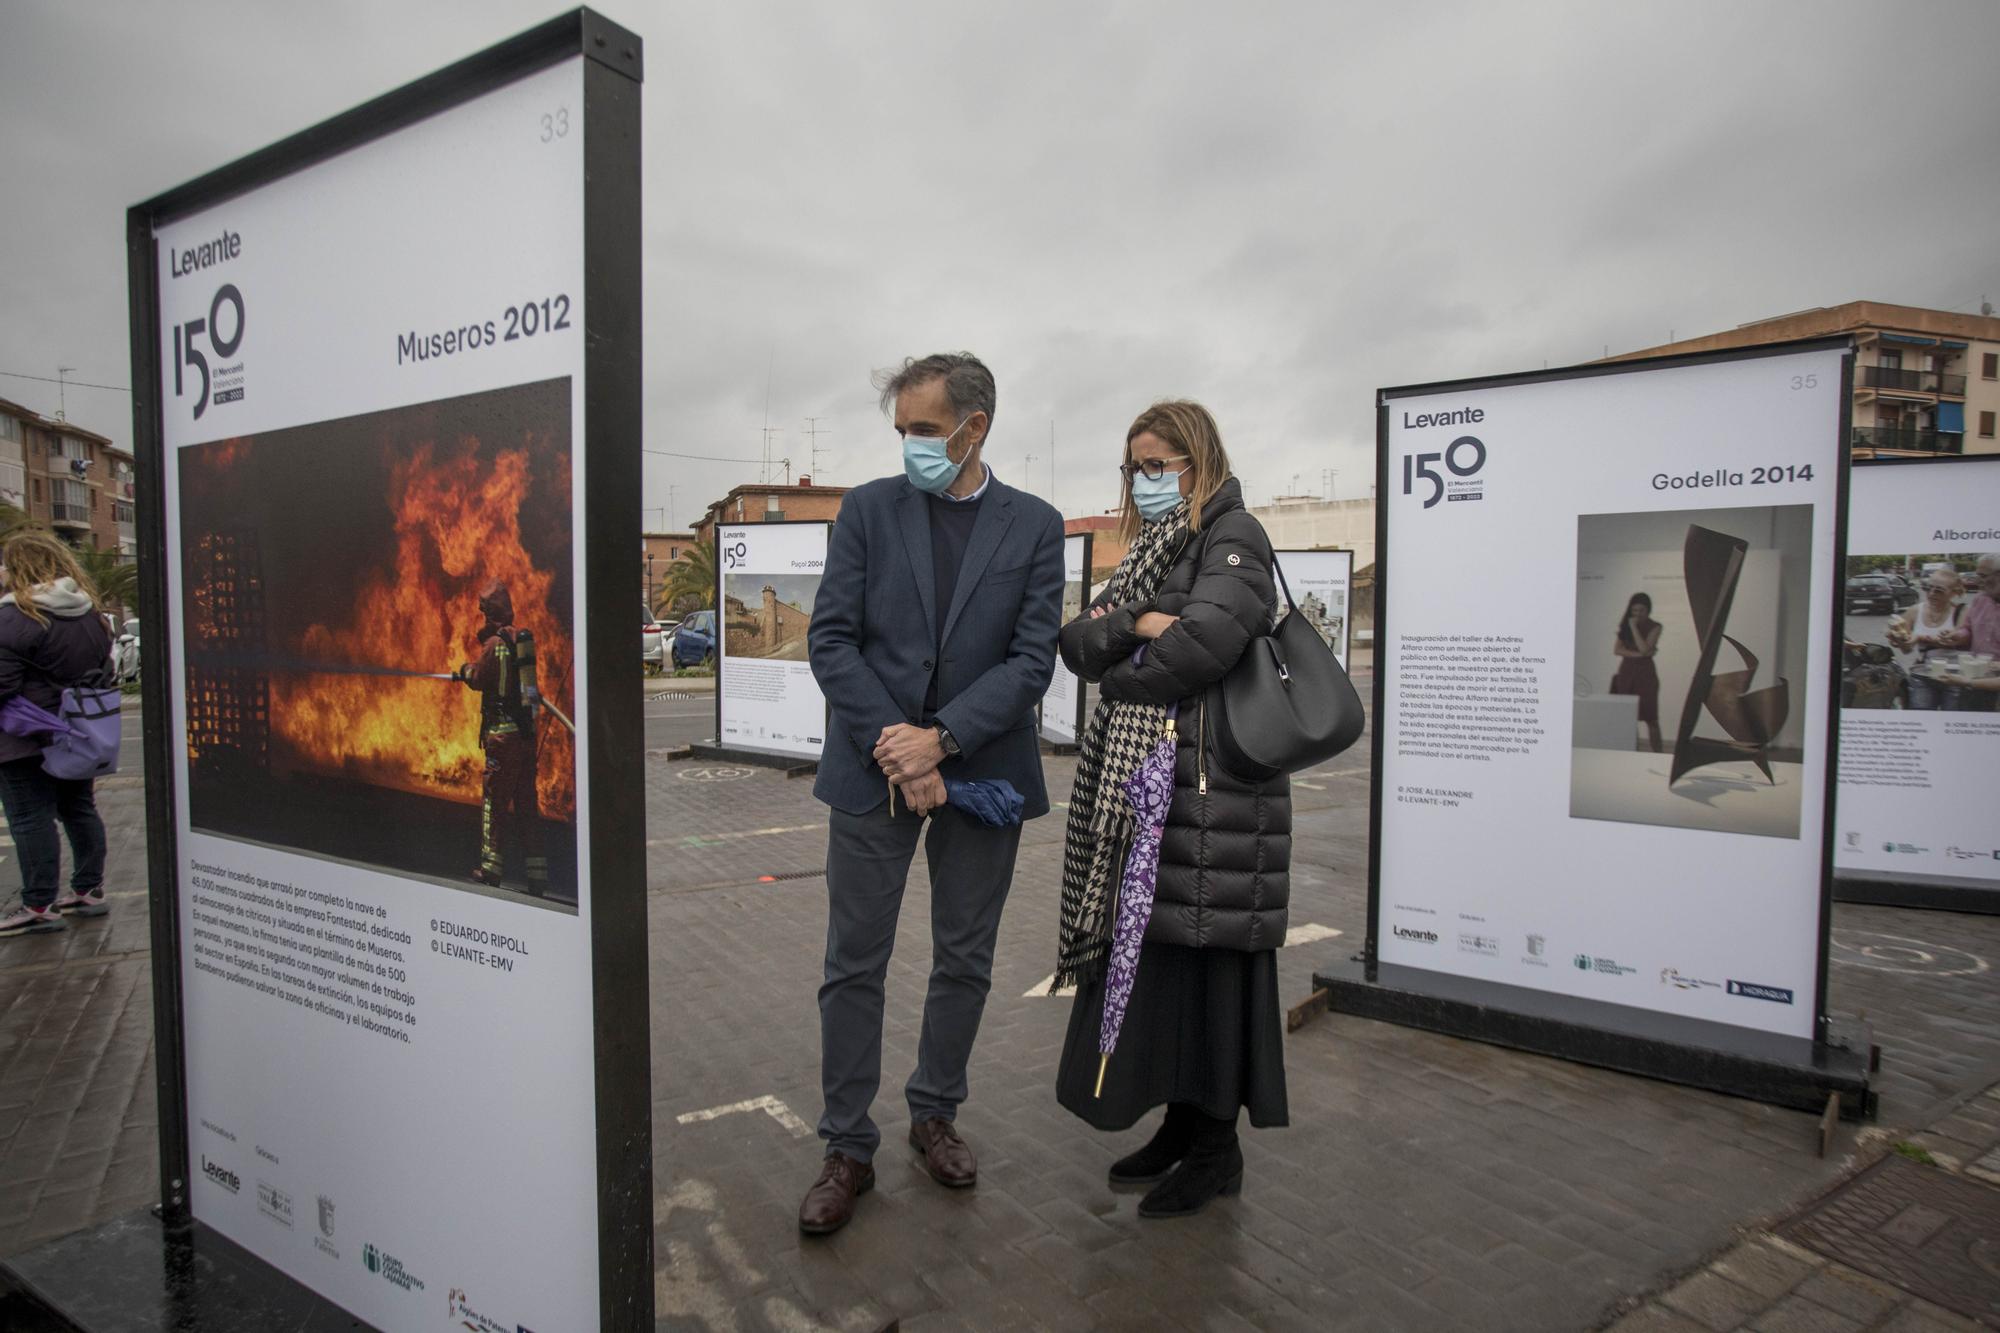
(1152, 468)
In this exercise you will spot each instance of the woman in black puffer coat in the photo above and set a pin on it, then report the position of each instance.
(1203, 1033)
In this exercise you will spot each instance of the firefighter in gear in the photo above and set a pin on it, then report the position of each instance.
(504, 675)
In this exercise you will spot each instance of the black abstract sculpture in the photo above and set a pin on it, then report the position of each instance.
(1711, 564)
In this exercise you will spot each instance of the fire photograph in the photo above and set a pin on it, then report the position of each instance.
(379, 641)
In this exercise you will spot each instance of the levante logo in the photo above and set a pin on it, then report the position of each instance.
(1463, 458)
(222, 383)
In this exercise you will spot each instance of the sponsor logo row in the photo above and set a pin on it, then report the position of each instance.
(1534, 953)
(275, 1204)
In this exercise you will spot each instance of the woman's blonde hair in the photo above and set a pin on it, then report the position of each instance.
(1188, 429)
(34, 557)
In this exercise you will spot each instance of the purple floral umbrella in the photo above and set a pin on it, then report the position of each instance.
(1151, 791)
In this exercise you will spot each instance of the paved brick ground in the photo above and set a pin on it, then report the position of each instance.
(1767, 1283)
(1426, 1183)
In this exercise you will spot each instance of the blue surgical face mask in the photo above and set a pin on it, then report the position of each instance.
(926, 463)
(1156, 496)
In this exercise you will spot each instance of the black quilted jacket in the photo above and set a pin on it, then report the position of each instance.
(1226, 857)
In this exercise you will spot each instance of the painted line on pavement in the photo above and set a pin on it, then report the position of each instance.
(771, 1106)
(715, 839)
(1310, 933)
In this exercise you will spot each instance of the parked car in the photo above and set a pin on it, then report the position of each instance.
(652, 643)
(694, 640)
(1906, 591)
(1871, 594)
(125, 653)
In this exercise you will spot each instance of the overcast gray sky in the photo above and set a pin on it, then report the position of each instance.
(1272, 208)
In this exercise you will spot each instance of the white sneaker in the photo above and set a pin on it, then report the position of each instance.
(25, 920)
(82, 904)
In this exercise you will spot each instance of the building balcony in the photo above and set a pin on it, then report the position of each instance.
(69, 515)
(1905, 439)
(1897, 378)
(1951, 386)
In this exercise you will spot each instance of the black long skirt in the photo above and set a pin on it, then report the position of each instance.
(1203, 1027)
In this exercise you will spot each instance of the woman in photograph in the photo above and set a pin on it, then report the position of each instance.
(1925, 628)
(1638, 639)
(1203, 1033)
(52, 636)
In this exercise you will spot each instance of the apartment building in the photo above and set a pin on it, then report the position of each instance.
(771, 502)
(1925, 381)
(75, 480)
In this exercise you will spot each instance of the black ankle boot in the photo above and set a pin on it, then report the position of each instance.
(1168, 1145)
(1213, 1167)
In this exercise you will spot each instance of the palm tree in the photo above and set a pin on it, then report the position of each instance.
(116, 576)
(690, 581)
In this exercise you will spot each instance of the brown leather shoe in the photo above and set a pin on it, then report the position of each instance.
(829, 1204)
(946, 1157)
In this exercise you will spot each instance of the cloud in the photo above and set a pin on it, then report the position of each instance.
(1274, 208)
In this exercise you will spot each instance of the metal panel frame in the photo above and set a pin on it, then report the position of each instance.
(613, 411)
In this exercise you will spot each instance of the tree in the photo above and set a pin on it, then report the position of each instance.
(116, 576)
(690, 581)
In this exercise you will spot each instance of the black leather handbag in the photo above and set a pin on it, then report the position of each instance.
(1286, 704)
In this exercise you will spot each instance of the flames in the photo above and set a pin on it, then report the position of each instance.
(457, 517)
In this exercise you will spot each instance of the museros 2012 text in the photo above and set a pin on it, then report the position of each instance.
(547, 315)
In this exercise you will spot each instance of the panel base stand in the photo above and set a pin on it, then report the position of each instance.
(793, 765)
(1938, 893)
(1785, 1071)
(129, 1276)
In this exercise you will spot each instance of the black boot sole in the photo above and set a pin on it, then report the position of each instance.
(1230, 1188)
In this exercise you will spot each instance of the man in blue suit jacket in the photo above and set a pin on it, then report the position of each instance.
(933, 637)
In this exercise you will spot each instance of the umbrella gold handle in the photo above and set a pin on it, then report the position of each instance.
(1102, 1060)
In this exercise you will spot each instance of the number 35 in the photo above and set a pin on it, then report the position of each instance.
(555, 124)
(1805, 381)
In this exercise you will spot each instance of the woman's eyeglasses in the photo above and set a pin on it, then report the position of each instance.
(1153, 468)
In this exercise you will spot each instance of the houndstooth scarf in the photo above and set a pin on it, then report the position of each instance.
(1118, 737)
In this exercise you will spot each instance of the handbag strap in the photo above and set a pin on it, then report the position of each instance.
(1279, 570)
(1208, 534)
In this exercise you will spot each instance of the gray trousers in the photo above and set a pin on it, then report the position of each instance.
(867, 863)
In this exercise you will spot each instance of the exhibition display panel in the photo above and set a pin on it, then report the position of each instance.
(1920, 685)
(387, 413)
(1322, 585)
(768, 705)
(1062, 715)
(1606, 633)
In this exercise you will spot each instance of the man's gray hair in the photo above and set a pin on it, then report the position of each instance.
(1989, 561)
(968, 384)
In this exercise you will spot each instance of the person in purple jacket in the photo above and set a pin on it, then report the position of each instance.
(52, 636)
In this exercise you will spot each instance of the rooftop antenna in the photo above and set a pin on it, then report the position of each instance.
(770, 367)
(769, 431)
(813, 431)
(62, 392)
(1052, 464)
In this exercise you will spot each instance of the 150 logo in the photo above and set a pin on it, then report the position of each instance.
(1463, 457)
(227, 302)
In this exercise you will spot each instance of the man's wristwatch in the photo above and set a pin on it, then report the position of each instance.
(948, 741)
